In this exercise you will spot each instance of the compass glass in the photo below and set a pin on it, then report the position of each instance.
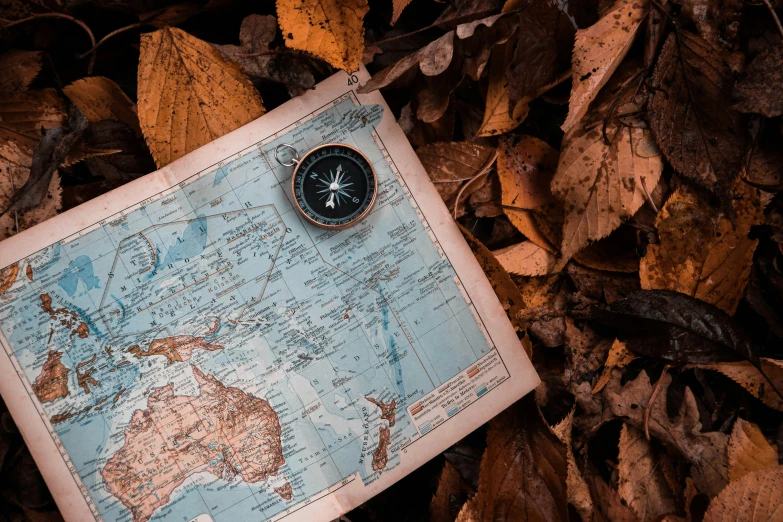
(334, 186)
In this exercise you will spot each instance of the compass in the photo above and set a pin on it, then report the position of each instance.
(334, 185)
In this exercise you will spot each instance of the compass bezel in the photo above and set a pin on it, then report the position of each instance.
(353, 221)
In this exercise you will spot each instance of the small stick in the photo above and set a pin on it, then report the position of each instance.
(111, 34)
(655, 391)
(481, 172)
(57, 15)
(646, 193)
(774, 16)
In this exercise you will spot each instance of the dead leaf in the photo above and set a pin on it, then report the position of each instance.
(599, 183)
(716, 20)
(170, 15)
(609, 504)
(28, 112)
(706, 452)
(526, 258)
(255, 35)
(619, 356)
(749, 450)
(133, 159)
(750, 378)
(598, 51)
(397, 8)
(332, 30)
(642, 484)
(759, 90)
(691, 115)
(756, 497)
(524, 470)
(451, 494)
(599, 284)
(188, 95)
(101, 99)
(578, 492)
(450, 164)
(526, 166)
(497, 117)
(18, 69)
(700, 252)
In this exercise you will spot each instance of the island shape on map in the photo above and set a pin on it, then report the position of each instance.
(222, 430)
(178, 348)
(52, 383)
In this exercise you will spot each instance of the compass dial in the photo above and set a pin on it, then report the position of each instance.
(334, 186)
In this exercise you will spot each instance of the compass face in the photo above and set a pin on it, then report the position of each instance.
(334, 186)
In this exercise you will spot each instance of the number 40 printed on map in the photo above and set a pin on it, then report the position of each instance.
(189, 347)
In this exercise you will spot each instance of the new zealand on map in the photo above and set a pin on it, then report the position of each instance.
(207, 355)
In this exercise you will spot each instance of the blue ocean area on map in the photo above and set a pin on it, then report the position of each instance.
(213, 317)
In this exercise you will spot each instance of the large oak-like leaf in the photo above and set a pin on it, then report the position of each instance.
(603, 184)
(700, 252)
(691, 115)
(759, 91)
(332, 30)
(189, 95)
(598, 51)
(756, 497)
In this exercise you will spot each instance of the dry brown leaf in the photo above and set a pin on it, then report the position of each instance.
(28, 112)
(749, 450)
(525, 258)
(609, 504)
(759, 91)
(18, 69)
(619, 356)
(598, 51)
(756, 497)
(600, 184)
(524, 470)
(450, 164)
(101, 99)
(748, 376)
(597, 284)
(706, 452)
(700, 252)
(450, 496)
(398, 6)
(497, 119)
(578, 492)
(188, 95)
(642, 485)
(332, 30)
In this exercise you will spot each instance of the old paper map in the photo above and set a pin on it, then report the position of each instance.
(189, 348)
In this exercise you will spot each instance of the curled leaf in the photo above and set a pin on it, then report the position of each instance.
(749, 450)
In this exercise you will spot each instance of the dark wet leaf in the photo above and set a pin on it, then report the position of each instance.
(690, 114)
(133, 161)
(761, 90)
(672, 326)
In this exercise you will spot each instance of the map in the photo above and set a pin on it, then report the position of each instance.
(206, 354)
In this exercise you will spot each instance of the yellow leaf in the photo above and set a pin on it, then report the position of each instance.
(756, 497)
(188, 95)
(642, 484)
(332, 30)
(100, 98)
(497, 119)
(749, 450)
(747, 376)
(600, 183)
(526, 259)
(397, 7)
(598, 51)
(700, 251)
(619, 356)
(577, 490)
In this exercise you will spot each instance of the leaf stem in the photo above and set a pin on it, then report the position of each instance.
(8, 24)
(774, 16)
(650, 403)
(484, 169)
(111, 34)
(646, 193)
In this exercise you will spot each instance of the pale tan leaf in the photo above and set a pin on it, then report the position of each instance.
(700, 251)
(526, 165)
(497, 119)
(609, 504)
(452, 490)
(188, 95)
(598, 51)
(619, 356)
(578, 492)
(332, 30)
(642, 484)
(398, 6)
(100, 98)
(747, 376)
(18, 69)
(600, 184)
(526, 258)
(756, 497)
(749, 450)
(468, 513)
(450, 164)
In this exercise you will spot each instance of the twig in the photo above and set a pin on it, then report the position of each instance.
(484, 169)
(774, 16)
(646, 193)
(56, 15)
(654, 393)
(264, 53)
(111, 34)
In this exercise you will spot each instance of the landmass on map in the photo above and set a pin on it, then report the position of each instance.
(67, 318)
(8, 276)
(85, 378)
(380, 456)
(222, 430)
(285, 491)
(387, 409)
(52, 383)
(178, 348)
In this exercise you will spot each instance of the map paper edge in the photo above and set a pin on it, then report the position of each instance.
(523, 377)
